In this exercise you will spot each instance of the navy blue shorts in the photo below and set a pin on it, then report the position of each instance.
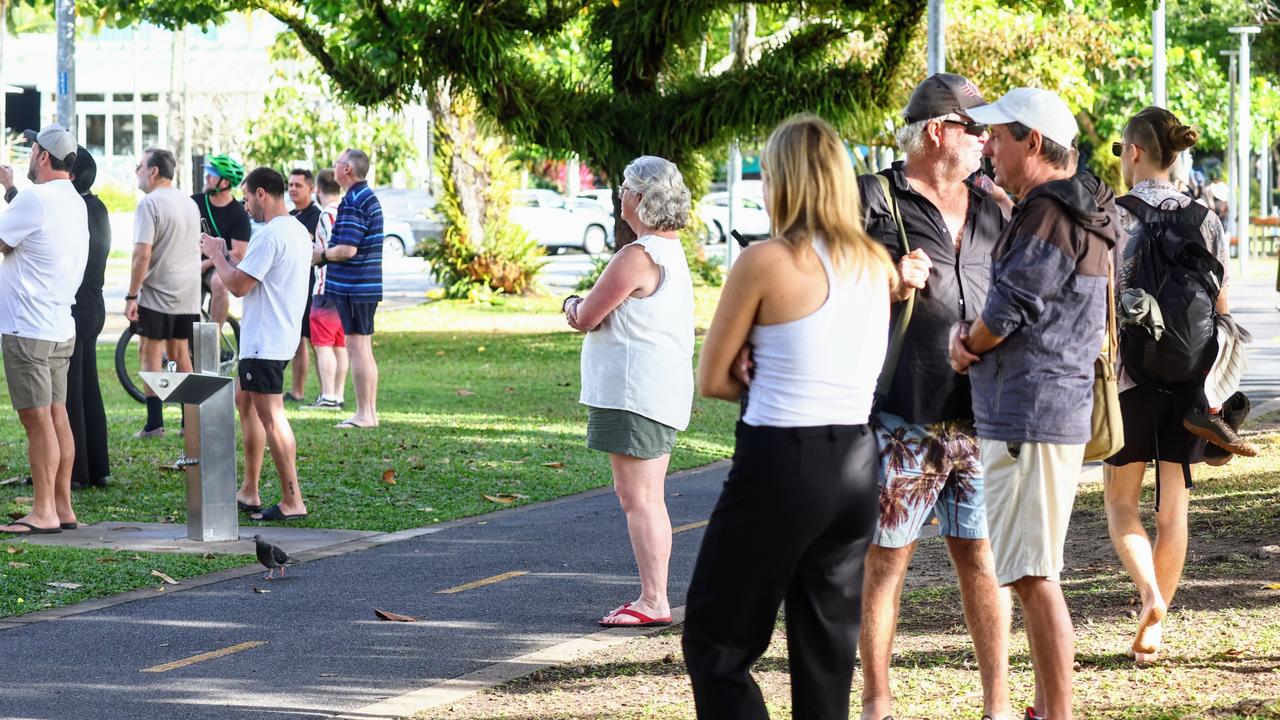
(356, 317)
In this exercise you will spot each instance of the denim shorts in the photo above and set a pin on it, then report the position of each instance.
(928, 468)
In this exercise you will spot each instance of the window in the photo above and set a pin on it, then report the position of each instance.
(122, 97)
(122, 135)
(89, 97)
(95, 134)
(150, 97)
(150, 131)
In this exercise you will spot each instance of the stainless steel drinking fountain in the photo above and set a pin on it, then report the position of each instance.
(209, 457)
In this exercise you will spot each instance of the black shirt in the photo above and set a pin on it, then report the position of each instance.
(89, 309)
(925, 389)
(229, 222)
(309, 216)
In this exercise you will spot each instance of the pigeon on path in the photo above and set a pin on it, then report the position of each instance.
(271, 557)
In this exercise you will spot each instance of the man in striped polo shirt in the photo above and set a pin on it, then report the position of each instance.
(354, 278)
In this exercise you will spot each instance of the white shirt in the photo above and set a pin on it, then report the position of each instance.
(279, 258)
(640, 358)
(48, 228)
(822, 369)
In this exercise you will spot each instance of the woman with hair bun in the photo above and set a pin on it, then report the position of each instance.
(1162, 421)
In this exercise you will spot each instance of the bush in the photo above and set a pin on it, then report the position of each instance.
(116, 198)
(506, 262)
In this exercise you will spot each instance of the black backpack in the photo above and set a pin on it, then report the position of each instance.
(1174, 267)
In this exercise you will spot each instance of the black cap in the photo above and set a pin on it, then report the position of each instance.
(942, 94)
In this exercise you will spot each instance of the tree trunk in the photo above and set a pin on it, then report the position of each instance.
(455, 121)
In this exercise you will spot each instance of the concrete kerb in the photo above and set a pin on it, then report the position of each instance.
(320, 553)
(448, 692)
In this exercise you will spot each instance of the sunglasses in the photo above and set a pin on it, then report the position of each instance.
(970, 128)
(1117, 148)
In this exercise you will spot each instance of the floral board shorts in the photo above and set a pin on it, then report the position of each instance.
(926, 468)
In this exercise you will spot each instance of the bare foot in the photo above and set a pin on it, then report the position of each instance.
(1149, 634)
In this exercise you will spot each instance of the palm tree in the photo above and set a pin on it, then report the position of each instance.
(898, 451)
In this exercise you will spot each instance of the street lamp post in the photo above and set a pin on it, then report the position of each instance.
(66, 20)
(1159, 97)
(1243, 146)
(1232, 173)
(937, 42)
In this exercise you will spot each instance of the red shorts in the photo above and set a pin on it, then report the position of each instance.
(326, 328)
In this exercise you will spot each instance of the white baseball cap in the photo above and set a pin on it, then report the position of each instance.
(53, 138)
(1040, 110)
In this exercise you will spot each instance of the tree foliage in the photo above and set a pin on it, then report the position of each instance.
(302, 120)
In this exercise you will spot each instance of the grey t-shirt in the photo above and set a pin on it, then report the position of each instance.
(169, 222)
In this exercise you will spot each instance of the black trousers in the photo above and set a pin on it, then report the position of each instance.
(792, 524)
(84, 405)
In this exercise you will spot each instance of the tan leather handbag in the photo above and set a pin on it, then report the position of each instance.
(1106, 426)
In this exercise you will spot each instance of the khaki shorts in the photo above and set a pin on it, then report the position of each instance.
(1029, 500)
(36, 370)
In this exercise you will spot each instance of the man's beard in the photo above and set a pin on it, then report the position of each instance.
(31, 173)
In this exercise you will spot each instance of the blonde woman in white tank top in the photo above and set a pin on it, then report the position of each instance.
(797, 512)
(637, 370)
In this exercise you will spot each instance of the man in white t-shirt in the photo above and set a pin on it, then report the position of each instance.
(163, 301)
(44, 238)
(272, 279)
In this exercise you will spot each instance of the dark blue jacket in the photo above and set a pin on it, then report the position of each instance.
(1048, 300)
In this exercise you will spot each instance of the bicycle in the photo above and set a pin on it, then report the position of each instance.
(129, 362)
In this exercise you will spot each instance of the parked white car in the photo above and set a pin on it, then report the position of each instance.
(749, 218)
(555, 222)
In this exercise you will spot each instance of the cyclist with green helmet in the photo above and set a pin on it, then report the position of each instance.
(222, 216)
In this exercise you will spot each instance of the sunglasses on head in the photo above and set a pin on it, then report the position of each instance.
(970, 128)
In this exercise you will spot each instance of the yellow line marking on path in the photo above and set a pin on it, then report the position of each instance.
(241, 647)
(482, 583)
(690, 526)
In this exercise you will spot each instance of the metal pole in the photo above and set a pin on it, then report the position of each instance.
(66, 19)
(1158, 96)
(737, 48)
(1243, 147)
(1232, 175)
(4, 91)
(937, 42)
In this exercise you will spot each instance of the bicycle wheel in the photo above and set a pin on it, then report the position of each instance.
(129, 364)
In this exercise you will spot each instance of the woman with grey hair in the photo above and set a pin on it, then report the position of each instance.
(637, 370)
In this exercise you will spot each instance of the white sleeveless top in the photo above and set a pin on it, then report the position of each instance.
(822, 369)
(640, 358)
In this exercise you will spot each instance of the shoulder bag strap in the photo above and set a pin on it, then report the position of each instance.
(899, 336)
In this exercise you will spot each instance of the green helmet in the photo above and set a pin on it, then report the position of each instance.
(225, 167)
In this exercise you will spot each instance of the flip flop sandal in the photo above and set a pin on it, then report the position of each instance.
(69, 526)
(275, 514)
(33, 529)
(642, 619)
(246, 507)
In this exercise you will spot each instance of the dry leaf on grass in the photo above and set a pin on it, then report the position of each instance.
(15, 565)
(164, 577)
(13, 480)
(1234, 652)
(505, 498)
(389, 476)
(261, 591)
(13, 550)
(24, 500)
(554, 465)
(465, 392)
(64, 585)
(393, 617)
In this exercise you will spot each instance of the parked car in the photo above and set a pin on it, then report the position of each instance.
(409, 221)
(555, 222)
(600, 196)
(749, 217)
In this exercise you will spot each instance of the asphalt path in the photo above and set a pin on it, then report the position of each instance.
(324, 651)
(1253, 306)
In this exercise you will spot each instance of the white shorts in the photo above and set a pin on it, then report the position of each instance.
(1029, 500)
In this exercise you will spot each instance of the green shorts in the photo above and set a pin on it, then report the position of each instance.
(36, 370)
(626, 433)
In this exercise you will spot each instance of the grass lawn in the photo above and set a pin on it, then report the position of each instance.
(1221, 657)
(473, 401)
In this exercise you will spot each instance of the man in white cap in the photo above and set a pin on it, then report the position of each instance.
(1030, 358)
(44, 237)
